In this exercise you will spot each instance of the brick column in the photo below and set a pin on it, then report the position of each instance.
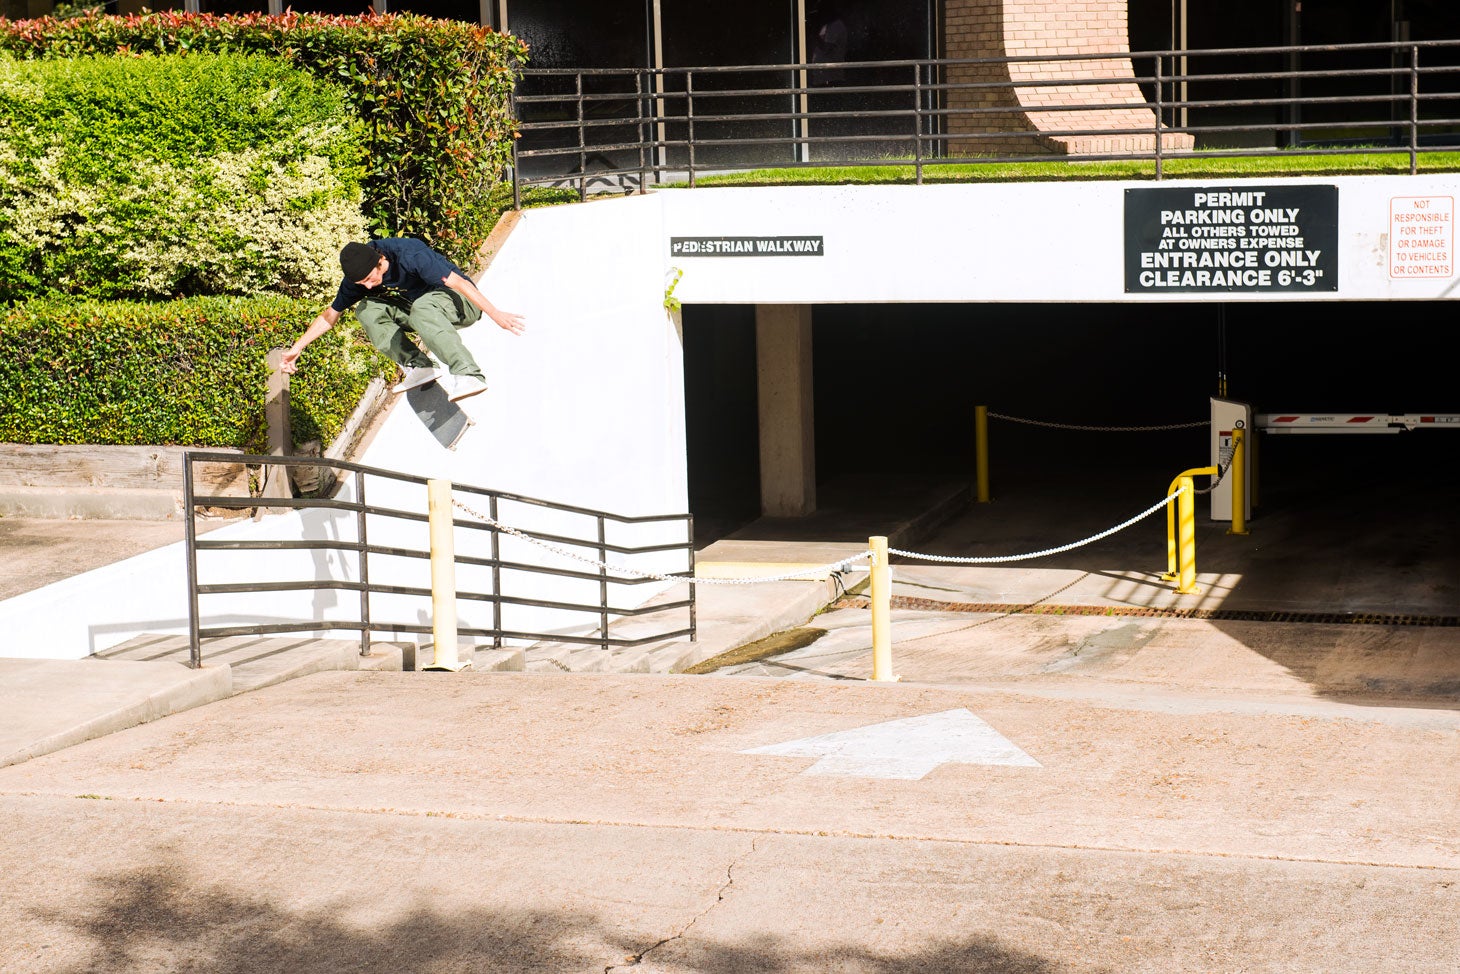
(1025, 28)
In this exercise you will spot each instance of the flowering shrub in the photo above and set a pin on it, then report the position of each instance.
(191, 372)
(433, 96)
(163, 176)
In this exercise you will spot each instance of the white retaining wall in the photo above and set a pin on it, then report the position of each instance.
(587, 408)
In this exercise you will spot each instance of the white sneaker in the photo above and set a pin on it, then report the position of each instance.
(466, 385)
(418, 376)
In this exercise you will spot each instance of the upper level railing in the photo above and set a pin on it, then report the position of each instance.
(625, 128)
(379, 549)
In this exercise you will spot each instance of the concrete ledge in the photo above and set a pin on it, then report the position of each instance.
(105, 503)
(752, 612)
(53, 704)
(385, 657)
(317, 656)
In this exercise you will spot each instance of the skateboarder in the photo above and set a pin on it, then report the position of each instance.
(402, 285)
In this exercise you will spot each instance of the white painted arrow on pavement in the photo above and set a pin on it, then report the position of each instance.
(908, 748)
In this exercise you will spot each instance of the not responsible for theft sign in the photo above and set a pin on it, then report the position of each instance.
(1231, 239)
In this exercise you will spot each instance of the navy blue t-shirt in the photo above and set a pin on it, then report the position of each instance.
(414, 270)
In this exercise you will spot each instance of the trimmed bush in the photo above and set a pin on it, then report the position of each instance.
(189, 373)
(152, 177)
(433, 95)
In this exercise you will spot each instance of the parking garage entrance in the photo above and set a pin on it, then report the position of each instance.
(895, 387)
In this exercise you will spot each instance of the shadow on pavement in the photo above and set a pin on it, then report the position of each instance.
(157, 918)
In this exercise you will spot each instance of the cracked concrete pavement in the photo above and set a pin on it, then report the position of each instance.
(539, 822)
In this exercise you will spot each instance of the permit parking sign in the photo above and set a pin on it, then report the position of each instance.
(1231, 239)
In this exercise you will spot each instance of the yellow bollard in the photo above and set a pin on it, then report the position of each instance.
(1186, 531)
(981, 451)
(1238, 472)
(1175, 565)
(443, 577)
(880, 585)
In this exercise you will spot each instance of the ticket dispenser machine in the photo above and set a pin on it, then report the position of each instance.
(1228, 415)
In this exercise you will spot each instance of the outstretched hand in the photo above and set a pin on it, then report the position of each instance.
(289, 361)
(509, 322)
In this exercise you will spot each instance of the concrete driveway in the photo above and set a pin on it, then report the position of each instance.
(532, 822)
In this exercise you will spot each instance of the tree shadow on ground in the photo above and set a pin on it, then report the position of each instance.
(158, 918)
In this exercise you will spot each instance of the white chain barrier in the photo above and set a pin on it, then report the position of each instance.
(1099, 429)
(996, 559)
(835, 566)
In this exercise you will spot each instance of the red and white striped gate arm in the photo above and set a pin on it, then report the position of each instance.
(1353, 422)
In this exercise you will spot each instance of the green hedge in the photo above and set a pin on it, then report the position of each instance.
(154, 177)
(433, 95)
(190, 373)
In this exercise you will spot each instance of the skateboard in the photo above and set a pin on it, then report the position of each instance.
(447, 421)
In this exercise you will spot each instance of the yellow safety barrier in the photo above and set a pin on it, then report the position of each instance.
(880, 592)
(443, 576)
(1181, 530)
(1238, 472)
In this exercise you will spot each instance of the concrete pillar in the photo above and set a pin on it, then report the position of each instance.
(787, 421)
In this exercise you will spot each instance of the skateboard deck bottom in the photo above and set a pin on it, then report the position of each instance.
(446, 421)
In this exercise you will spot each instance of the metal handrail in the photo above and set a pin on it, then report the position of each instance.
(362, 548)
(663, 126)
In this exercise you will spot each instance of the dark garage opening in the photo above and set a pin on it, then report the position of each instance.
(896, 387)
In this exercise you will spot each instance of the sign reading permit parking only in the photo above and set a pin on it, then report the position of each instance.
(1231, 239)
(747, 247)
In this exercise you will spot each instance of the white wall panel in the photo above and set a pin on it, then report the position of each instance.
(587, 408)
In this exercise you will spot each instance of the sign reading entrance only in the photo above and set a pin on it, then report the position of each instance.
(1231, 239)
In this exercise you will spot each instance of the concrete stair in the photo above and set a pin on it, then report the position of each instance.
(261, 661)
(739, 615)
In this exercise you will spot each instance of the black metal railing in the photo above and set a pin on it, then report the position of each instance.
(627, 128)
(344, 525)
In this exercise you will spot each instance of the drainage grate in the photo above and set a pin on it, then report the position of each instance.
(1213, 615)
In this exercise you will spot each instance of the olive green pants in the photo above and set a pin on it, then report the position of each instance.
(435, 317)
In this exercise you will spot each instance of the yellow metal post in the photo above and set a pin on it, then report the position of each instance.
(880, 585)
(1186, 532)
(1174, 554)
(981, 451)
(1238, 472)
(1171, 530)
(443, 576)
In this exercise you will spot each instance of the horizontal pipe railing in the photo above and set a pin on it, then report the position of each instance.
(512, 585)
(633, 127)
(269, 629)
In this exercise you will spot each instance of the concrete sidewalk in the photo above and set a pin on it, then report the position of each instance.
(1044, 793)
(553, 823)
(59, 703)
(51, 704)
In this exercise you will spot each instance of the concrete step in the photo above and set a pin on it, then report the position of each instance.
(549, 657)
(587, 658)
(108, 503)
(742, 614)
(260, 661)
(498, 660)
